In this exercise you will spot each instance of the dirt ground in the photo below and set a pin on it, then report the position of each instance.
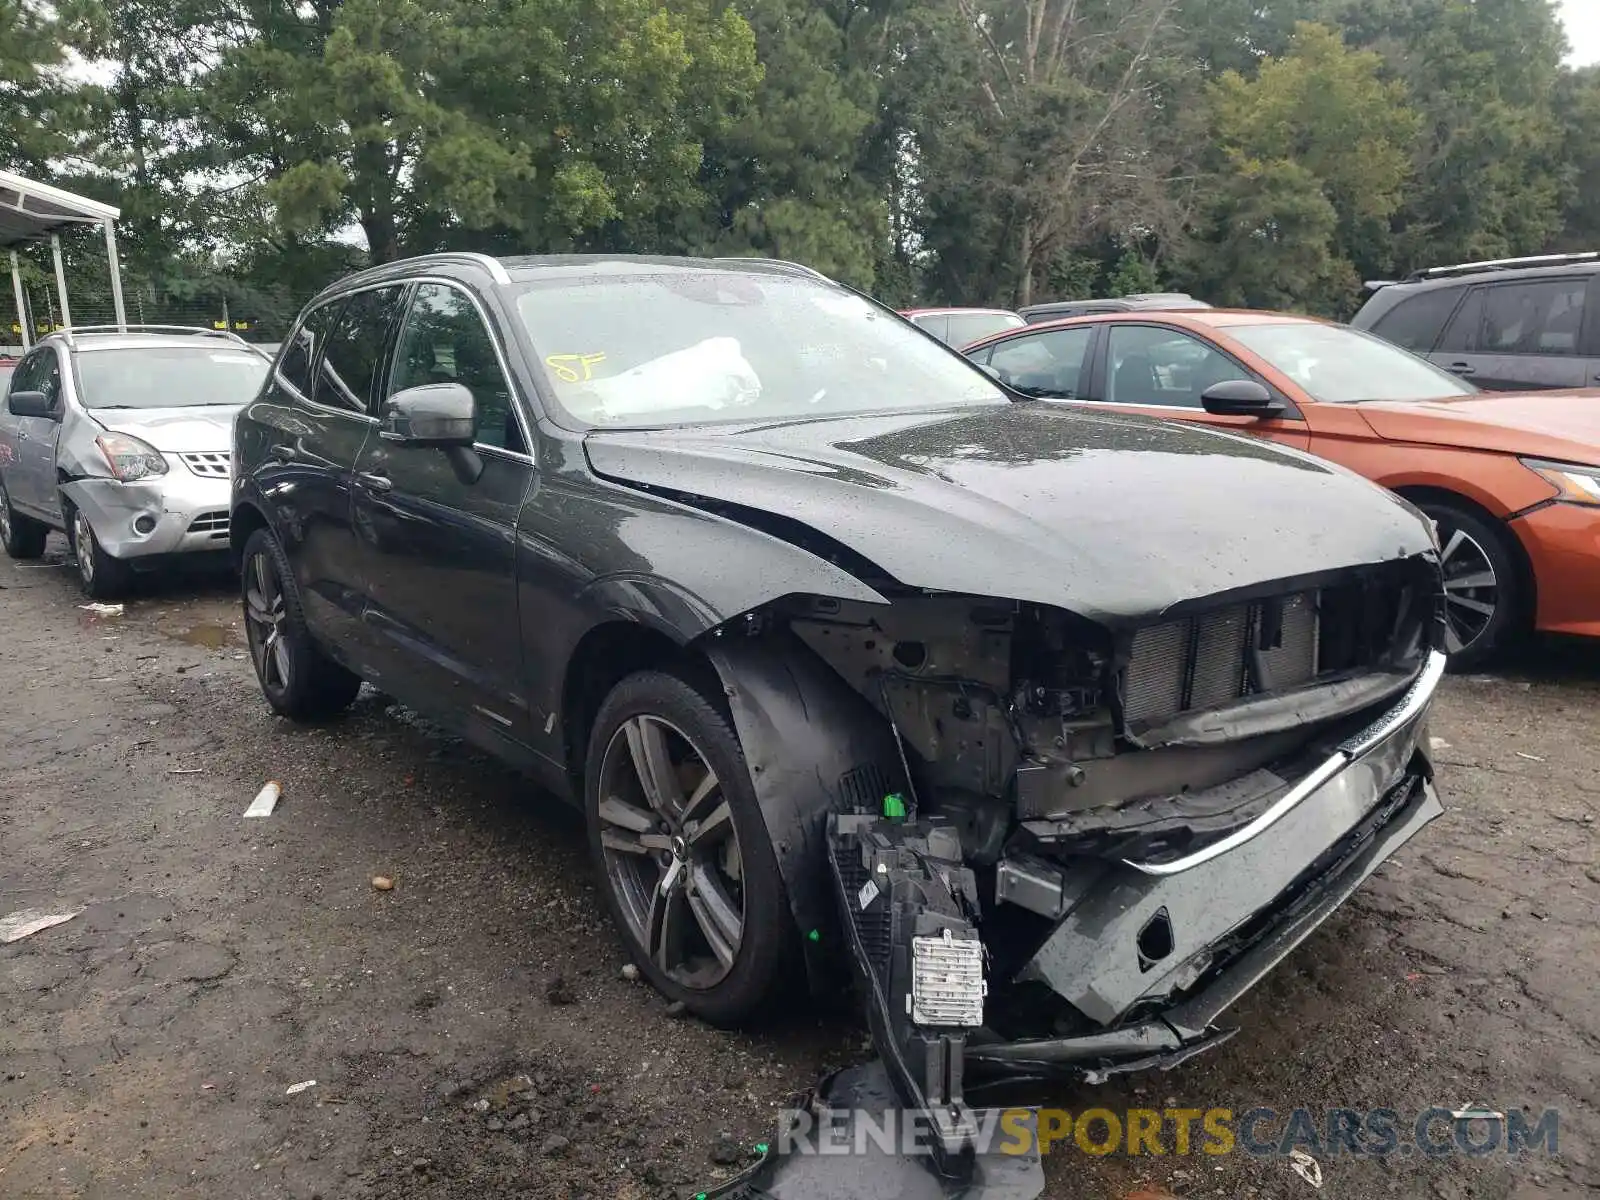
(471, 1033)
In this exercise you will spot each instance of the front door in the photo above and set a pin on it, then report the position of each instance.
(35, 470)
(437, 529)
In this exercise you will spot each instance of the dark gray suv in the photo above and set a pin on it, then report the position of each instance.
(1509, 324)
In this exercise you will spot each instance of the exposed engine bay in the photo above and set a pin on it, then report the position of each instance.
(1057, 847)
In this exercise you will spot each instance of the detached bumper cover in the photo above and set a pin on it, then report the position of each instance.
(1229, 912)
(189, 512)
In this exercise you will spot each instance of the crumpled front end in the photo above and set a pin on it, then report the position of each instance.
(1057, 846)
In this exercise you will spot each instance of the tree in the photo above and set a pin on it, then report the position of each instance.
(1312, 158)
(1041, 124)
(537, 123)
(37, 115)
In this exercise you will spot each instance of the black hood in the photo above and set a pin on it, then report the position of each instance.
(1108, 516)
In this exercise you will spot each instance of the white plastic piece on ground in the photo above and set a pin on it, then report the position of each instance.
(1306, 1167)
(1435, 743)
(711, 374)
(30, 921)
(294, 1089)
(947, 985)
(1477, 1112)
(103, 610)
(266, 800)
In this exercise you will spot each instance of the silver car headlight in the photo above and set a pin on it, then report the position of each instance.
(129, 458)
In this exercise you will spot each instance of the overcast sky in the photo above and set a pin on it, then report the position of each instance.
(1583, 29)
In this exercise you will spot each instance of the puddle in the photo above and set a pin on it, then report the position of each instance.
(210, 637)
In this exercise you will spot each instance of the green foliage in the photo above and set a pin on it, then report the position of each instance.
(1262, 152)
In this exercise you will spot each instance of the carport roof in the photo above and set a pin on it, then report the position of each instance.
(30, 211)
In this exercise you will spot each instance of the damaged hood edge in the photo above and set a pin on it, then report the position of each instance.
(1013, 502)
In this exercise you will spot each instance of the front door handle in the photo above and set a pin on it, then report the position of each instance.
(1463, 369)
(375, 481)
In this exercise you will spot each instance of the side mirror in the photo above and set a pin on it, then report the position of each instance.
(1240, 398)
(29, 404)
(992, 372)
(432, 414)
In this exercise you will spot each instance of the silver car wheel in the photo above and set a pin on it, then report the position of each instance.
(1471, 589)
(83, 546)
(265, 614)
(5, 516)
(671, 851)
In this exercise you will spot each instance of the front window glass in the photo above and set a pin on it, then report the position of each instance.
(1154, 364)
(676, 346)
(170, 376)
(1337, 365)
(444, 341)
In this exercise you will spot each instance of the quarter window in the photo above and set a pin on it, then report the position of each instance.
(445, 341)
(354, 350)
(1148, 364)
(1044, 364)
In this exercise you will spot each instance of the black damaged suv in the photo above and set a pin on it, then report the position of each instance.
(1060, 726)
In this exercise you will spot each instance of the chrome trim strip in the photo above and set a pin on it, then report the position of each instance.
(1407, 710)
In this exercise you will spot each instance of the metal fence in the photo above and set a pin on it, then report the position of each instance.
(263, 319)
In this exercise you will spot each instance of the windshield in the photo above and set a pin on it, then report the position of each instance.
(691, 345)
(966, 328)
(1337, 365)
(169, 376)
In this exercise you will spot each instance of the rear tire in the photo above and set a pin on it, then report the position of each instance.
(1485, 597)
(298, 680)
(101, 576)
(23, 537)
(705, 867)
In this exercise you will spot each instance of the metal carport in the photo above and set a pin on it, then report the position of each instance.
(31, 212)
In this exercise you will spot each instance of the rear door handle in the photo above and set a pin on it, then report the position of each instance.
(375, 481)
(1463, 369)
(282, 453)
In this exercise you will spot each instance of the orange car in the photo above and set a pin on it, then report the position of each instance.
(1512, 479)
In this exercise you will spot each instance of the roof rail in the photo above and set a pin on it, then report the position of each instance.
(1504, 264)
(778, 262)
(488, 262)
(67, 333)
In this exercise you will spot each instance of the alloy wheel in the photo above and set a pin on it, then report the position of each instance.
(1471, 588)
(83, 546)
(5, 516)
(265, 625)
(671, 851)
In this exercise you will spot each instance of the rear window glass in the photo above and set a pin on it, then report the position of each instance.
(966, 328)
(169, 376)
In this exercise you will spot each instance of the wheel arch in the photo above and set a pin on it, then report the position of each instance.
(244, 520)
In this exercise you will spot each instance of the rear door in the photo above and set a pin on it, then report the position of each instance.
(309, 425)
(1523, 334)
(1051, 365)
(1162, 371)
(438, 543)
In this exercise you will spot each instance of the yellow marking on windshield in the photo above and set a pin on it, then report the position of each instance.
(574, 368)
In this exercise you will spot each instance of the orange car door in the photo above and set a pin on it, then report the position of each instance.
(1162, 371)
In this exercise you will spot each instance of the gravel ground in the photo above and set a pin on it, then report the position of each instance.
(471, 1033)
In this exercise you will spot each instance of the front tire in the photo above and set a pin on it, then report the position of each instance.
(1483, 585)
(101, 576)
(23, 537)
(682, 850)
(299, 680)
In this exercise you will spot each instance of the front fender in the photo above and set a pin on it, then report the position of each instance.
(814, 747)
